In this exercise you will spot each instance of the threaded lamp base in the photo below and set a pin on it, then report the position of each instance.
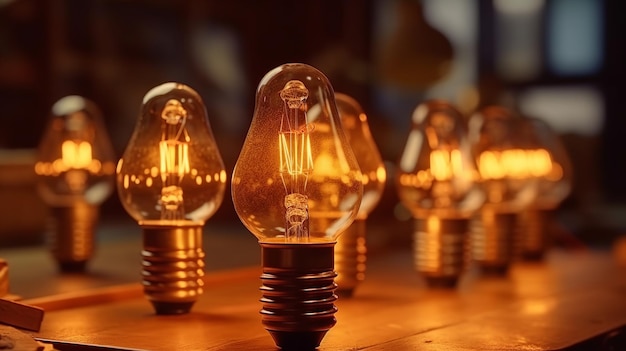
(493, 241)
(439, 250)
(534, 234)
(298, 291)
(71, 240)
(350, 258)
(173, 267)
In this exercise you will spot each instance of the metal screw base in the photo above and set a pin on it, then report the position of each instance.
(493, 241)
(439, 250)
(298, 293)
(71, 240)
(534, 234)
(173, 267)
(350, 258)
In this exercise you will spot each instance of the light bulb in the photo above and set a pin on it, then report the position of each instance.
(351, 248)
(436, 182)
(296, 186)
(75, 167)
(171, 179)
(509, 188)
(549, 163)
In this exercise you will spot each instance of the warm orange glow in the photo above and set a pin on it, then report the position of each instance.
(517, 163)
(76, 155)
(445, 164)
(295, 153)
(174, 158)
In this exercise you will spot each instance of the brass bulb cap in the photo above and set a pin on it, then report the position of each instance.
(72, 238)
(298, 293)
(173, 267)
(440, 250)
(351, 258)
(494, 241)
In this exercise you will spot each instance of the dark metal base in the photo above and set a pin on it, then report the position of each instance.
(494, 241)
(298, 341)
(171, 308)
(73, 266)
(298, 293)
(350, 258)
(443, 282)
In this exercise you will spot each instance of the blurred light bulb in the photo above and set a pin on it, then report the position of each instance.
(296, 185)
(351, 248)
(171, 179)
(548, 162)
(436, 182)
(75, 168)
(509, 188)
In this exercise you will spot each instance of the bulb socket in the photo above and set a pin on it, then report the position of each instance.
(173, 267)
(298, 293)
(440, 250)
(71, 238)
(351, 258)
(494, 242)
(534, 234)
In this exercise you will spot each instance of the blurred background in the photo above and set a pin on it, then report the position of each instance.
(558, 60)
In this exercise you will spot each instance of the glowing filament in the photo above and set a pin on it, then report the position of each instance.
(296, 160)
(445, 164)
(76, 155)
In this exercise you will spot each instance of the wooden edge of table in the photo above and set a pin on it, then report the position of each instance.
(126, 291)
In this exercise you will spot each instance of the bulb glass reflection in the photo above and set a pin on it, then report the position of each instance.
(75, 167)
(296, 186)
(171, 179)
(436, 180)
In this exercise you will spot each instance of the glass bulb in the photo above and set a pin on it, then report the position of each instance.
(171, 179)
(296, 186)
(549, 163)
(509, 187)
(351, 249)
(436, 181)
(75, 167)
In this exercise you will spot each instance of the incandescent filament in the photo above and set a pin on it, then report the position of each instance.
(296, 160)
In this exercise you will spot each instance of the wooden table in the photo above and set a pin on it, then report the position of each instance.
(574, 300)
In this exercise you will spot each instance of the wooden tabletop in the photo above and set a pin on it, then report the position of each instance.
(573, 300)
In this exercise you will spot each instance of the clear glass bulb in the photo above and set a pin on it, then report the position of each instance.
(549, 163)
(75, 167)
(296, 186)
(351, 248)
(296, 178)
(509, 187)
(171, 179)
(436, 181)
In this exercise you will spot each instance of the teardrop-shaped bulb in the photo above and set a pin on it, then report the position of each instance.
(75, 161)
(171, 170)
(436, 172)
(501, 159)
(296, 178)
(356, 127)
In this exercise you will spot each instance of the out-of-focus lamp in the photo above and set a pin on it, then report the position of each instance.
(436, 182)
(75, 168)
(171, 179)
(508, 187)
(351, 248)
(296, 186)
(547, 161)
